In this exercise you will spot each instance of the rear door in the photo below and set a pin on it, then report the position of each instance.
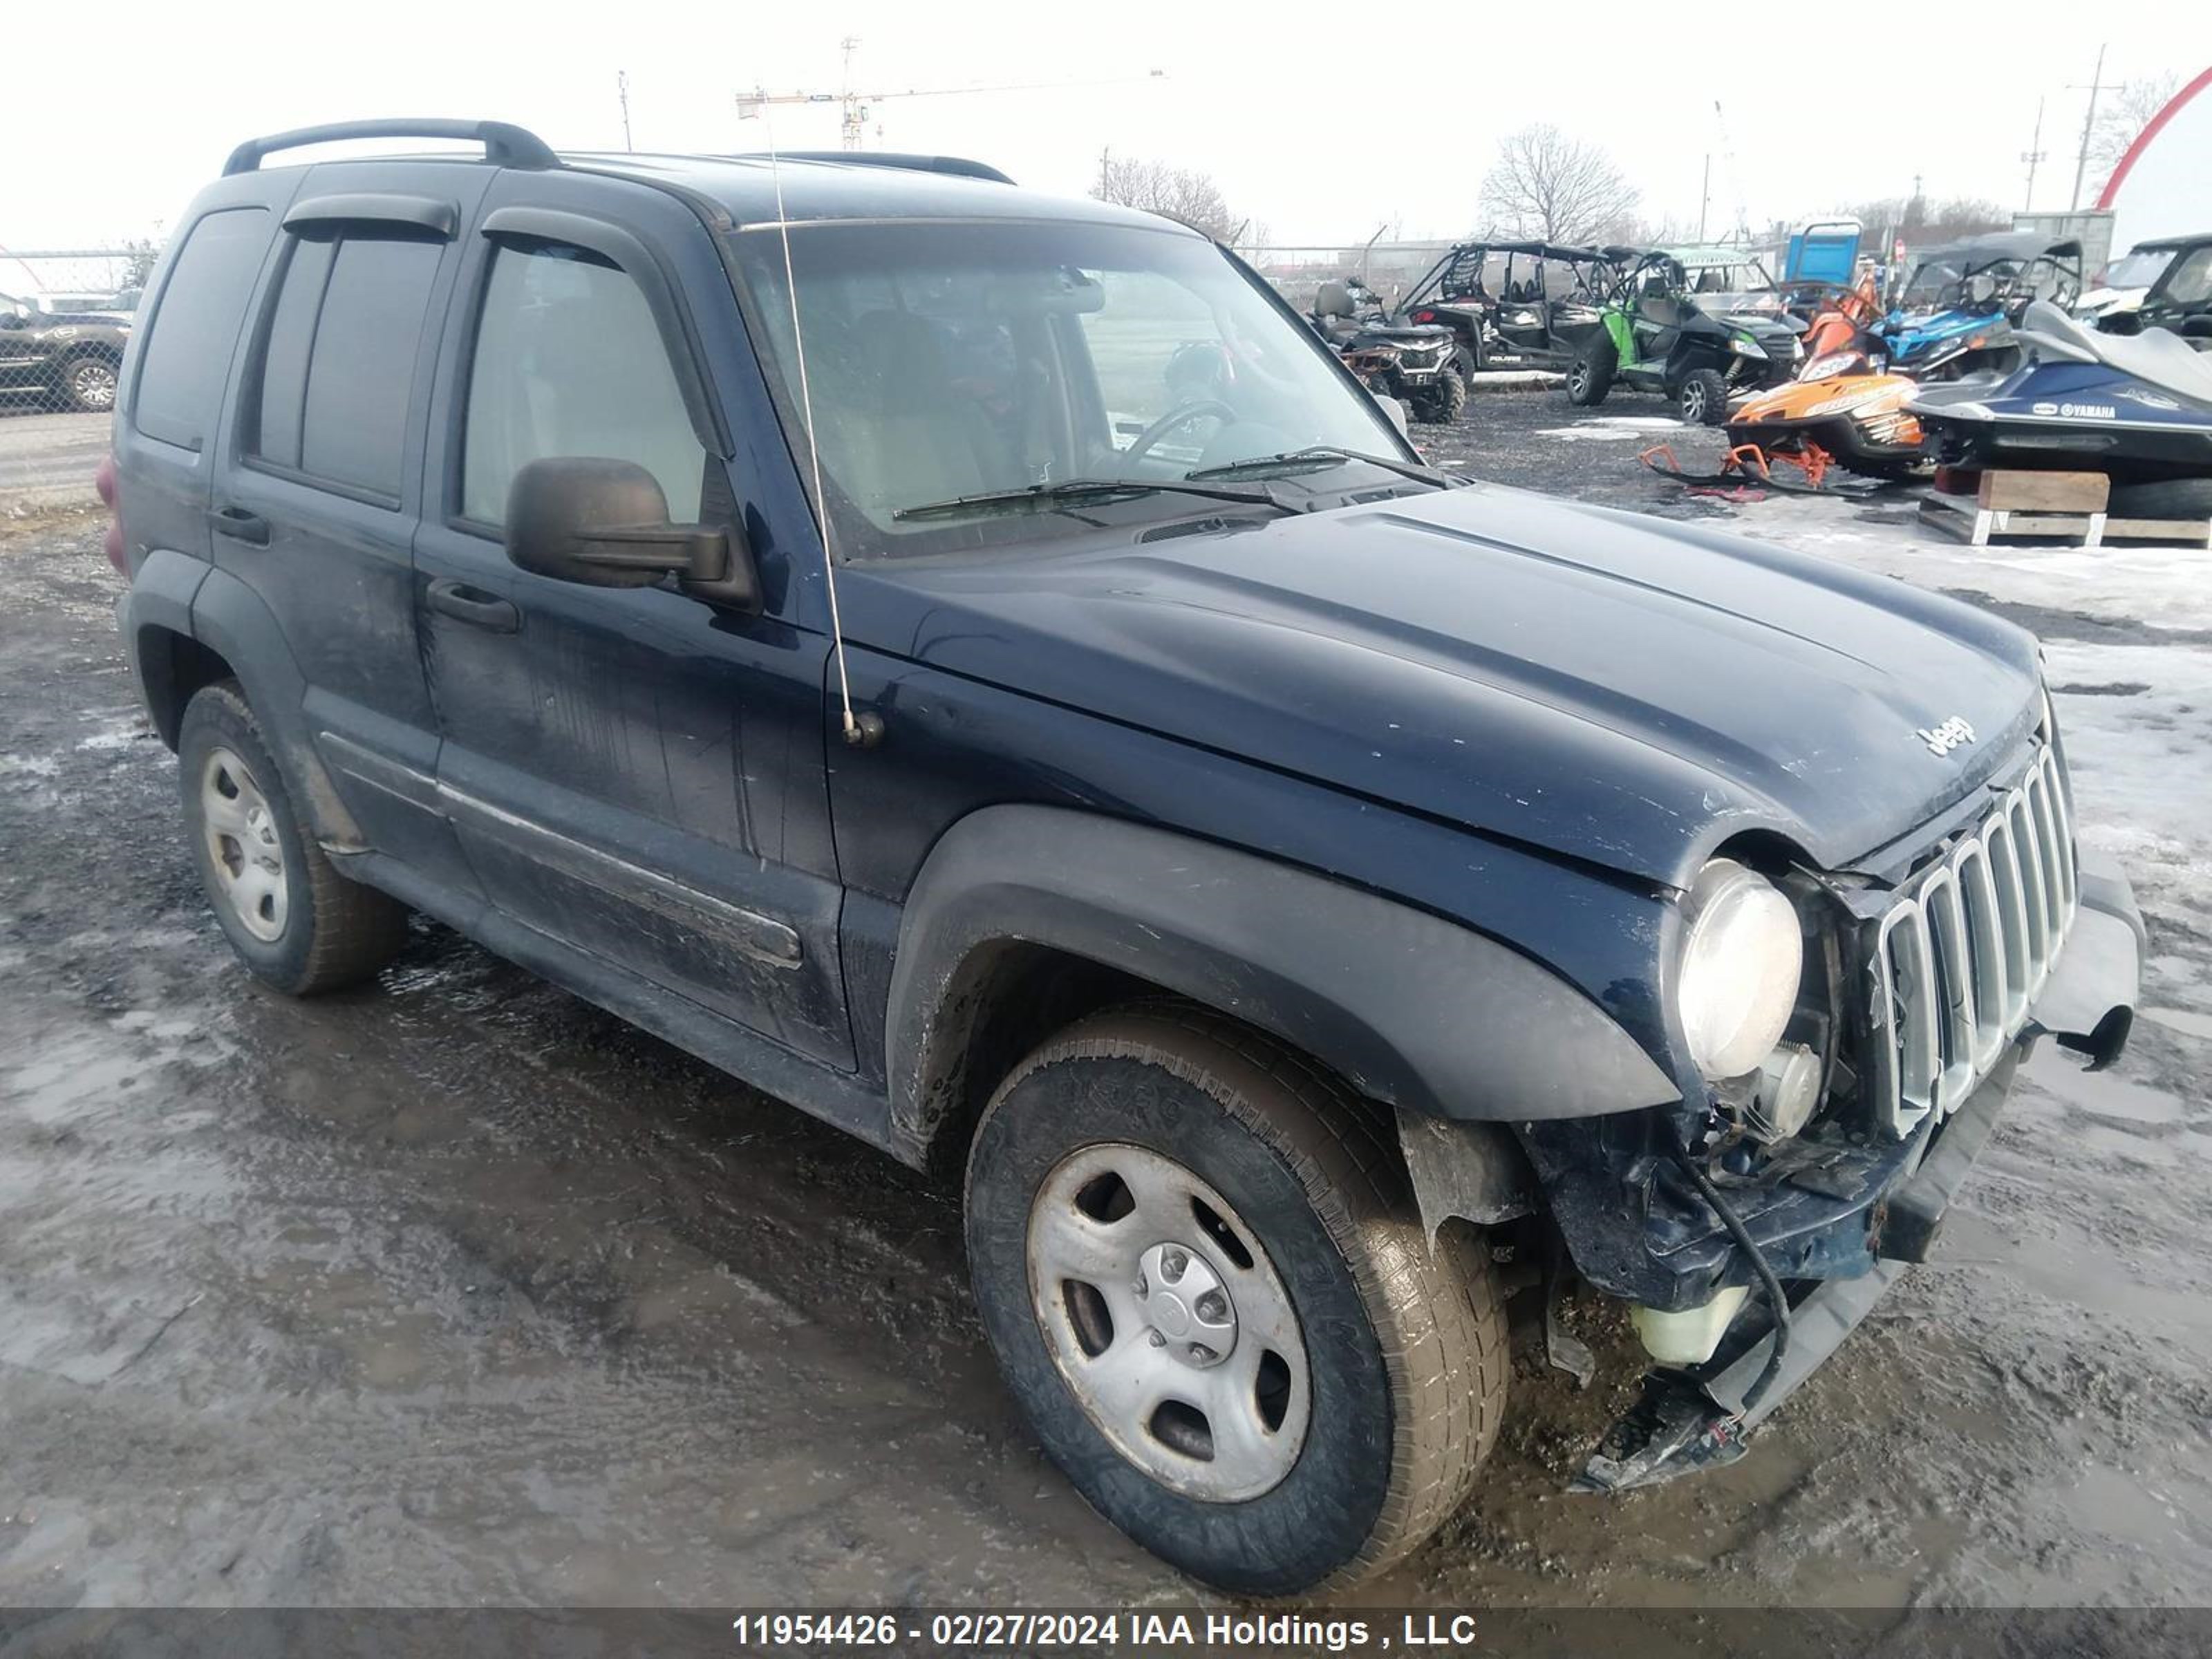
(316, 504)
(636, 773)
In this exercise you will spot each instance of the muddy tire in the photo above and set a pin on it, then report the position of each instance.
(1590, 377)
(2166, 498)
(1323, 1385)
(1442, 403)
(88, 383)
(1701, 399)
(292, 918)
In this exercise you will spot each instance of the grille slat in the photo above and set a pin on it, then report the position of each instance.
(1961, 955)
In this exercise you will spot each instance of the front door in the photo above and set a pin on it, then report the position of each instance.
(636, 773)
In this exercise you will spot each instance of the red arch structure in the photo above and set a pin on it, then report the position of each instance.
(2151, 129)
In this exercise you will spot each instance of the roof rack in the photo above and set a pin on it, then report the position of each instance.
(958, 166)
(504, 145)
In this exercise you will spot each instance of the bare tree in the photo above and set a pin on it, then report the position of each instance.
(1546, 184)
(1184, 194)
(2123, 113)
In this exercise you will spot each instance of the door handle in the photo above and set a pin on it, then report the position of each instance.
(473, 606)
(240, 526)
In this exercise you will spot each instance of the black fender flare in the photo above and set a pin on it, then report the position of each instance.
(232, 620)
(1411, 1009)
(154, 612)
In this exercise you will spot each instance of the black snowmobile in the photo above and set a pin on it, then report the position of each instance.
(2136, 407)
(1410, 362)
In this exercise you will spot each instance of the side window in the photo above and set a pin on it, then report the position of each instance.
(568, 361)
(195, 327)
(337, 367)
(2193, 283)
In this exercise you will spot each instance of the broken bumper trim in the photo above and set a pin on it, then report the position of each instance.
(1686, 1420)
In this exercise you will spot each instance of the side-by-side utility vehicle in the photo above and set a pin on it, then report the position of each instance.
(1697, 326)
(1302, 897)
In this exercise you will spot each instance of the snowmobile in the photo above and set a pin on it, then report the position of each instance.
(1845, 407)
(1696, 342)
(1412, 363)
(2138, 407)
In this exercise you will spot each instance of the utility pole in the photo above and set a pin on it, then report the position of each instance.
(2088, 129)
(1705, 195)
(1105, 170)
(622, 91)
(2032, 156)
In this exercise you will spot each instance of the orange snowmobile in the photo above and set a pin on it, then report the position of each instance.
(1845, 408)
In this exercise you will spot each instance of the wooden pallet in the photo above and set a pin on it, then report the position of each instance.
(2018, 504)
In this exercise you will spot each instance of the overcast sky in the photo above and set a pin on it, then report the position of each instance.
(1320, 123)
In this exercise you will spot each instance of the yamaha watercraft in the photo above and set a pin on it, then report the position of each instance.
(2138, 407)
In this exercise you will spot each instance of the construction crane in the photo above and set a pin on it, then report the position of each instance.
(852, 121)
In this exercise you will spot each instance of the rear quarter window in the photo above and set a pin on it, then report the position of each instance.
(187, 350)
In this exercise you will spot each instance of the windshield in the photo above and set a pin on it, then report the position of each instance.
(947, 360)
(2139, 268)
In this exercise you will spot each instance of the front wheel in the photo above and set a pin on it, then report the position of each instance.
(88, 383)
(1198, 1264)
(1703, 397)
(1443, 400)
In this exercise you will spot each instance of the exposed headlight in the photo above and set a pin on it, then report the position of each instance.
(1741, 956)
(1744, 346)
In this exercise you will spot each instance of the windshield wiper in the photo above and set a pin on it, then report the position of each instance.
(1316, 457)
(1090, 489)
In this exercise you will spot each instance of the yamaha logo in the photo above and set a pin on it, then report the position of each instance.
(1953, 733)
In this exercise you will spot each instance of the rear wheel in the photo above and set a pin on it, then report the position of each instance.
(290, 916)
(1590, 377)
(2166, 498)
(1703, 397)
(1200, 1268)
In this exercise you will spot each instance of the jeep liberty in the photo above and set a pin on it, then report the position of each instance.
(1305, 896)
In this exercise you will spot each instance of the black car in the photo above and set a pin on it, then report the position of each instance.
(1281, 883)
(60, 359)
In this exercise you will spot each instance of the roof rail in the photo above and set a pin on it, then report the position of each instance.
(960, 167)
(504, 145)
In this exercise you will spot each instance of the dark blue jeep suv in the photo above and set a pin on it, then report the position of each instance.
(973, 664)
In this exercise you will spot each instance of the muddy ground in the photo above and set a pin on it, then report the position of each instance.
(458, 1291)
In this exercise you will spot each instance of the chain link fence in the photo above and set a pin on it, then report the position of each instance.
(65, 314)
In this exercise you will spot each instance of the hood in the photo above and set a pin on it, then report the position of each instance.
(1614, 687)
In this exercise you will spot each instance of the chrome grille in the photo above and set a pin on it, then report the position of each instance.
(1959, 958)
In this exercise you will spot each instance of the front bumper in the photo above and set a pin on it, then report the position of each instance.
(1704, 1416)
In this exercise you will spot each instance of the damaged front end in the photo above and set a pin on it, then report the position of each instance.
(1751, 1230)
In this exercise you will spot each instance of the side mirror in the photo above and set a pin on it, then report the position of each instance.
(604, 522)
(1393, 408)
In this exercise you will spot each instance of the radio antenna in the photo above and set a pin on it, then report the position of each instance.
(856, 733)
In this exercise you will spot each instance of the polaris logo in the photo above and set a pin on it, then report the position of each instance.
(1953, 733)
